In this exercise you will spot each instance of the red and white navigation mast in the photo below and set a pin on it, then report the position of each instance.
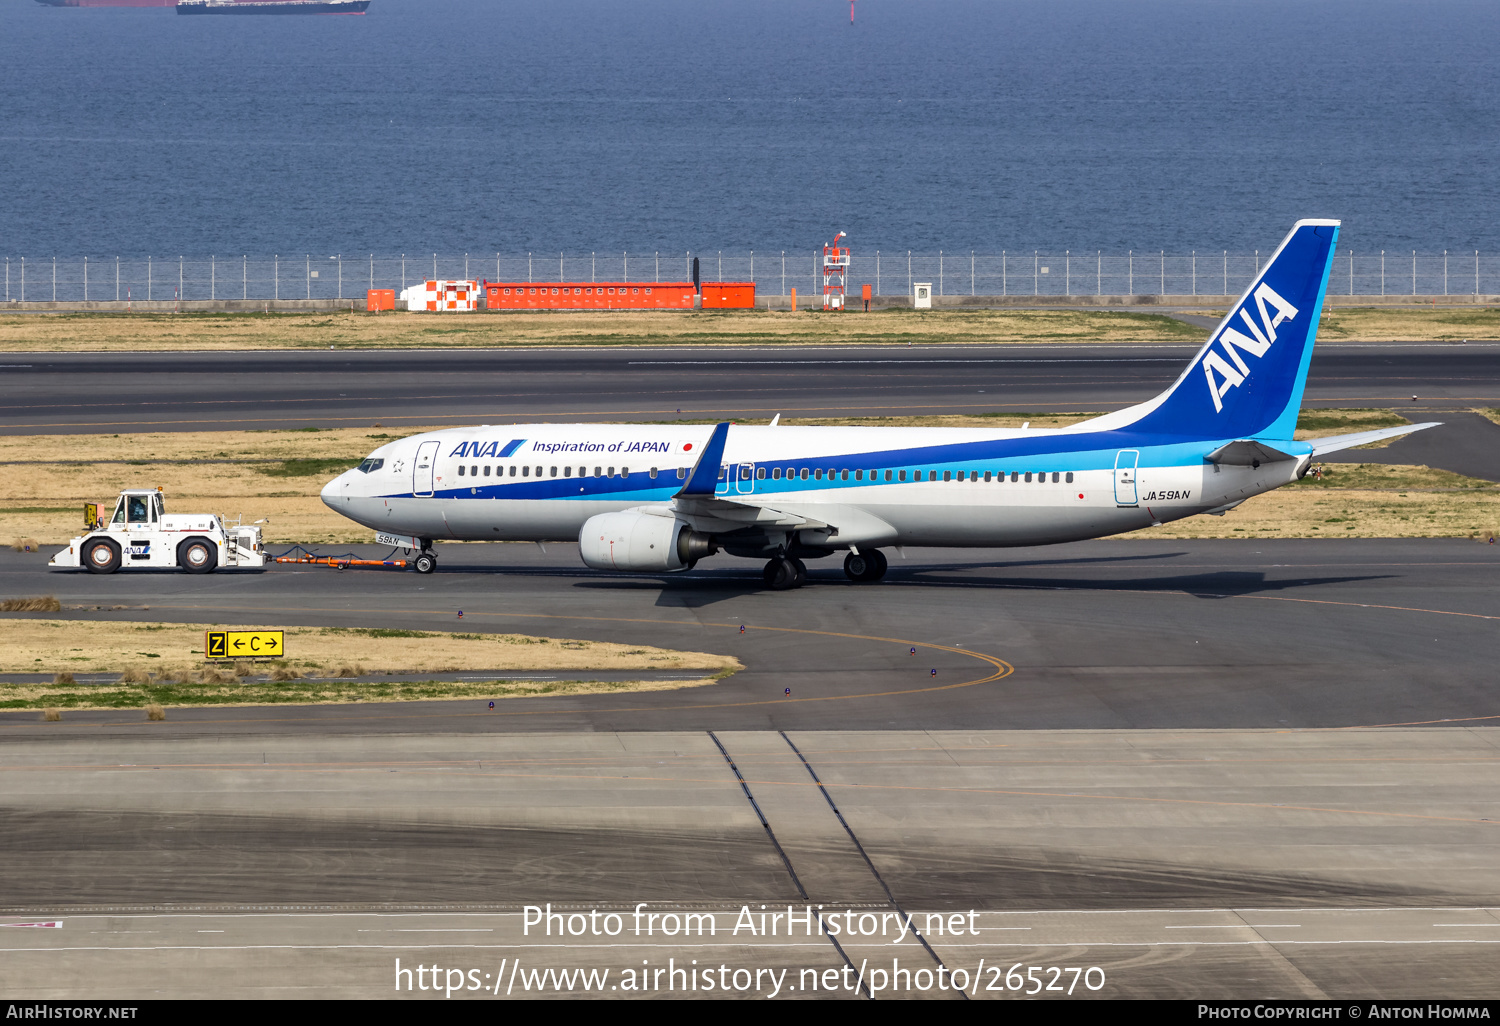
(835, 270)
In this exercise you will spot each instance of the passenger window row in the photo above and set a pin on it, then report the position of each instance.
(474, 470)
(817, 474)
(777, 473)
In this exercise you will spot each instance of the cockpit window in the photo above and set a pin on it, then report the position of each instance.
(370, 464)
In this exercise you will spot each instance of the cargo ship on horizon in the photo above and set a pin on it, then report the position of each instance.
(272, 6)
(108, 3)
(223, 6)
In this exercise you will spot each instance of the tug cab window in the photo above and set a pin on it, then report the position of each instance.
(138, 509)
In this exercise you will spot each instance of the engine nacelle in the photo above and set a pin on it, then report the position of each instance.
(641, 542)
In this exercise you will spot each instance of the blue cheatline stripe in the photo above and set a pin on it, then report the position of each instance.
(511, 447)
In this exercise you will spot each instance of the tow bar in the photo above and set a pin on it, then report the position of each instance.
(338, 562)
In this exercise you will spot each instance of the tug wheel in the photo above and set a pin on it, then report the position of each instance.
(101, 556)
(197, 556)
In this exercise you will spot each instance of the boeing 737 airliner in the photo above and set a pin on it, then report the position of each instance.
(650, 499)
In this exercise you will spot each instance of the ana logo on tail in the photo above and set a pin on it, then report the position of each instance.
(1231, 375)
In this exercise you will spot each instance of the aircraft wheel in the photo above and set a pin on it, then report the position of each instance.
(101, 556)
(425, 563)
(197, 556)
(869, 565)
(800, 569)
(781, 574)
(768, 572)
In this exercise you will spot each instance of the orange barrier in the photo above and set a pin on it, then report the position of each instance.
(728, 295)
(615, 295)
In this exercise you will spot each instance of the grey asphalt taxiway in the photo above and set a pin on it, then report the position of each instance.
(1207, 769)
(1100, 635)
(117, 392)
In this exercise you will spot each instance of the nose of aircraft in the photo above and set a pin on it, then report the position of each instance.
(334, 489)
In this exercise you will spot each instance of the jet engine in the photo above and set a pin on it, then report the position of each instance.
(641, 542)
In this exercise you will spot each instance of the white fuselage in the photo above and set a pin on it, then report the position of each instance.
(839, 486)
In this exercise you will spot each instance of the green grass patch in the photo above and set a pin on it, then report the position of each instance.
(306, 468)
(1351, 419)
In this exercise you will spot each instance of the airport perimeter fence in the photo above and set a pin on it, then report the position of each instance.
(1007, 273)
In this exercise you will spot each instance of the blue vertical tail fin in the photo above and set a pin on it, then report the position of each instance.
(1247, 381)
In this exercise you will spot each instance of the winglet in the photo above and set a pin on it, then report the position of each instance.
(706, 471)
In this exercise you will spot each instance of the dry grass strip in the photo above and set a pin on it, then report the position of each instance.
(77, 332)
(162, 664)
(181, 332)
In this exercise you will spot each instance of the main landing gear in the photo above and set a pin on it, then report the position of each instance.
(869, 565)
(784, 573)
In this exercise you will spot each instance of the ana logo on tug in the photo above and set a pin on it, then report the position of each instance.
(1256, 343)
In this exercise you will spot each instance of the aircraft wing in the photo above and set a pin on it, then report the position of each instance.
(722, 513)
(1336, 442)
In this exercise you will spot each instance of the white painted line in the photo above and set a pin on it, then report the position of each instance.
(1082, 943)
(436, 929)
(909, 362)
(1243, 926)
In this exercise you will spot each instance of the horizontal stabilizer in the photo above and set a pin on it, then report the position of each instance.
(1244, 453)
(1336, 442)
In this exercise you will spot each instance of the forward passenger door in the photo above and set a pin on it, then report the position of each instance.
(423, 468)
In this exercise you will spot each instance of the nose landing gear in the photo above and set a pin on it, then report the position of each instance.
(869, 565)
(425, 563)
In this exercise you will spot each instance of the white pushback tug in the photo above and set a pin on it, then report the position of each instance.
(141, 535)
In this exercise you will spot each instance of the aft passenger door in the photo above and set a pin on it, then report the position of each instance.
(423, 468)
(1126, 465)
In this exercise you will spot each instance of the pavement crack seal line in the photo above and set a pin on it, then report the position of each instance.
(801, 891)
(865, 855)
